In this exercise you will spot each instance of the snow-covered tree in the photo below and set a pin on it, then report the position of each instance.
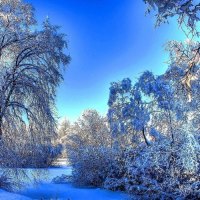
(89, 149)
(186, 11)
(91, 129)
(64, 130)
(163, 158)
(30, 68)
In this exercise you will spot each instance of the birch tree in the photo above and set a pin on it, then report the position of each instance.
(30, 68)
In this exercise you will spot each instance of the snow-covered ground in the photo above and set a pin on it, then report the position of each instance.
(69, 192)
(11, 196)
(46, 190)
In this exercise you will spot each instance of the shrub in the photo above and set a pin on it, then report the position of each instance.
(6, 182)
(164, 169)
(92, 165)
(115, 179)
(22, 155)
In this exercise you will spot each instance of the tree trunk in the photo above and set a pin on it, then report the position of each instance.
(145, 138)
(1, 132)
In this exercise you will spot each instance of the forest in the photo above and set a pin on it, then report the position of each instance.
(146, 147)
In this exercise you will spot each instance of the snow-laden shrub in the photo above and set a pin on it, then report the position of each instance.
(114, 184)
(41, 156)
(115, 179)
(6, 183)
(146, 169)
(63, 179)
(26, 154)
(44, 155)
(164, 169)
(91, 166)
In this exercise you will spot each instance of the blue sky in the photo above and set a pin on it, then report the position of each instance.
(108, 40)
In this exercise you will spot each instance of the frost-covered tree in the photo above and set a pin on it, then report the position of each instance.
(155, 121)
(30, 62)
(126, 114)
(185, 58)
(132, 106)
(89, 149)
(186, 11)
(64, 128)
(162, 161)
(91, 129)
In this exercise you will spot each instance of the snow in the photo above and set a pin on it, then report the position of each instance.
(45, 189)
(69, 192)
(11, 196)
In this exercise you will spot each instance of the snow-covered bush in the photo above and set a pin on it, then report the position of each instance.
(163, 169)
(6, 183)
(63, 179)
(115, 179)
(92, 166)
(44, 156)
(23, 150)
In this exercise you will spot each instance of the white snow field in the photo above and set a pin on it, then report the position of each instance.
(11, 196)
(46, 190)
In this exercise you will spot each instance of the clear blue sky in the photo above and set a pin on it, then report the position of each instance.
(108, 40)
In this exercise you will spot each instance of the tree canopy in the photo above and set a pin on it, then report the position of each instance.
(30, 68)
